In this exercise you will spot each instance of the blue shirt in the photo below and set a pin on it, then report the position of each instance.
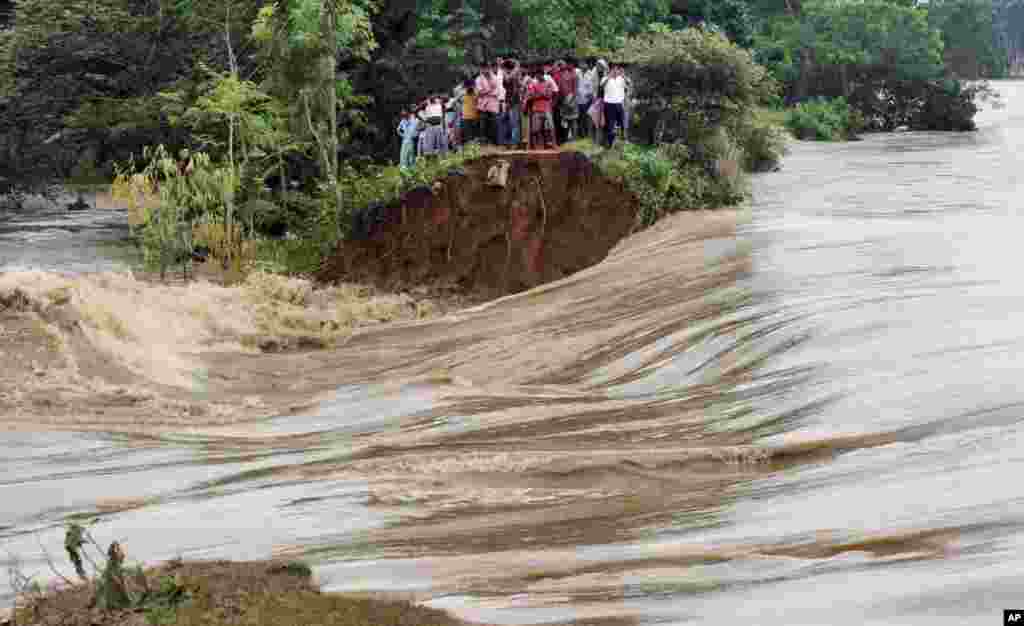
(408, 129)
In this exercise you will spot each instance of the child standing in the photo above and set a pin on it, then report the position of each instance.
(407, 130)
(470, 113)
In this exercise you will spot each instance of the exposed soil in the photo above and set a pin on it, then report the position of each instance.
(554, 216)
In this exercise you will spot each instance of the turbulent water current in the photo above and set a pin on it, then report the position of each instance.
(808, 411)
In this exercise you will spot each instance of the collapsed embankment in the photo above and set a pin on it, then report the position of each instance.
(482, 230)
(101, 351)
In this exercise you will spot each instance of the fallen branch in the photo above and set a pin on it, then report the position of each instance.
(50, 563)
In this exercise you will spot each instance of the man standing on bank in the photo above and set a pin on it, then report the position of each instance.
(614, 98)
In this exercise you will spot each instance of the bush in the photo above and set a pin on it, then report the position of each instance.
(667, 179)
(948, 105)
(824, 119)
(288, 256)
(763, 143)
(691, 80)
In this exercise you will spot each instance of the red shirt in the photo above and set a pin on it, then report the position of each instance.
(566, 80)
(539, 96)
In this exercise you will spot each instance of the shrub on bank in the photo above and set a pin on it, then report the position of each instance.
(691, 80)
(824, 119)
(948, 105)
(698, 99)
(667, 178)
(763, 141)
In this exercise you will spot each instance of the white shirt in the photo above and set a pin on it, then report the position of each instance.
(585, 87)
(615, 90)
(433, 110)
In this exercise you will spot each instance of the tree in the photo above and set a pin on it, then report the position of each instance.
(583, 25)
(687, 82)
(834, 48)
(301, 42)
(1008, 24)
(971, 44)
(79, 78)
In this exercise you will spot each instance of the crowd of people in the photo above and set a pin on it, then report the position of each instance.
(521, 106)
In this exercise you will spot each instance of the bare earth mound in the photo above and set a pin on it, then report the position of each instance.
(554, 216)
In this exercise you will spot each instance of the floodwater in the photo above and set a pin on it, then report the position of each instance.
(805, 412)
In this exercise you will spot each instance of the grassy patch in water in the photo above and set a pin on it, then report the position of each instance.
(124, 250)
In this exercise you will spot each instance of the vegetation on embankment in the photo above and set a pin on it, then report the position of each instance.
(107, 591)
(559, 213)
(205, 200)
(287, 107)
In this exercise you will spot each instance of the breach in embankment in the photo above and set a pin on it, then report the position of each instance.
(113, 351)
(505, 223)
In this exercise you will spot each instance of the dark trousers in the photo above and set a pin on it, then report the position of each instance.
(613, 118)
(556, 113)
(583, 130)
(470, 130)
(489, 127)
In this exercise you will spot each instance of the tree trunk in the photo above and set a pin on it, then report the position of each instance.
(583, 36)
(801, 88)
(329, 95)
(794, 8)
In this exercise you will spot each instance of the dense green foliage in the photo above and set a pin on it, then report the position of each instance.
(824, 119)
(971, 43)
(688, 83)
(887, 59)
(667, 178)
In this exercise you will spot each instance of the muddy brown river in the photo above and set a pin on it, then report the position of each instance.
(808, 411)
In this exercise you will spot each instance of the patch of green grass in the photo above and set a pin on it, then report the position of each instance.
(293, 568)
(824, 119)
(288, 256)
(585, 145)
(102, 319)
(59, 296)
(125, 250)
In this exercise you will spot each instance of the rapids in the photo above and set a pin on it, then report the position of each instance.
(802, 412)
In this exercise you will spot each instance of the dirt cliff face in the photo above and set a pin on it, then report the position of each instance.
(554, 216)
